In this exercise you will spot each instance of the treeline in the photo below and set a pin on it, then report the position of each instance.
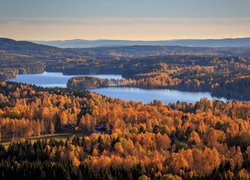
(206, 139)
(12, 64)
(227, 77)
(229, 83)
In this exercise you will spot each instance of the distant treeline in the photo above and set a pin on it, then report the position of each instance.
(227, 77)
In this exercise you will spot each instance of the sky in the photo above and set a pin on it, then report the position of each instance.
(124, 19)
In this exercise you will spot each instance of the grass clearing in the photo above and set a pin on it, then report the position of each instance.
(58, 137)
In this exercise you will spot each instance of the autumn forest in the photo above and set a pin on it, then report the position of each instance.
(154, 140)
(73, 133)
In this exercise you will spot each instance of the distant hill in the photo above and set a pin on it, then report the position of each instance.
(45, 52)
(78, 43)
(38, 51)
(146, 50)
(23, 46)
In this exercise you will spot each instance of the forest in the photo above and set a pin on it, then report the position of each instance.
(115, 139)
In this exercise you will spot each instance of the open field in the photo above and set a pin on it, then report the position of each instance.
(57, 137)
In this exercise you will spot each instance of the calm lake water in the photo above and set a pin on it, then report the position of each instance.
(49, 79)
(146, 96)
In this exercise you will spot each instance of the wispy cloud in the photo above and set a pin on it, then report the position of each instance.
(123, 28)
(118, 20)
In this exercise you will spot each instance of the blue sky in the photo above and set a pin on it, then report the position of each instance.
(124, 19)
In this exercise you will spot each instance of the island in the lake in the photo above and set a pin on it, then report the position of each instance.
(85, 82)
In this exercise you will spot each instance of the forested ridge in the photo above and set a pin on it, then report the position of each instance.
(224, 72)
(115, 139)
(12, 64)
(227, 77)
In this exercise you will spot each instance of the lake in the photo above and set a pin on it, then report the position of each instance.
(53, 79)
(57, 79)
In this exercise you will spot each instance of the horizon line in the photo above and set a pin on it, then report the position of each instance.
(107, 39)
